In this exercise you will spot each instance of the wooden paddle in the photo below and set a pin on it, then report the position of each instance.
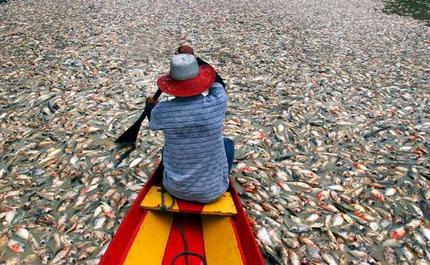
(130, 136)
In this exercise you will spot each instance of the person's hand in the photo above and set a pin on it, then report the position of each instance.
(151, 100)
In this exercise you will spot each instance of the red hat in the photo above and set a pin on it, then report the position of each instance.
(186, 78)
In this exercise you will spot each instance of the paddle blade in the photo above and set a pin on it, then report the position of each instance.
(130, 136)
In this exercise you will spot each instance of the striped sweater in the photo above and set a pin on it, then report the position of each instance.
(194, 158)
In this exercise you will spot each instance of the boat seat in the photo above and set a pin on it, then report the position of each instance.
(222, 206)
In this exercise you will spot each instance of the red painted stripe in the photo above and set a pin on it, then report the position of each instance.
(193, 232)
(247, 239)
(190, 207)
(239, 243)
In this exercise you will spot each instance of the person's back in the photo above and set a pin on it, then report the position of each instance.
(196, 157)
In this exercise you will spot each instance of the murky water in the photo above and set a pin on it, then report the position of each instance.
(418, 9)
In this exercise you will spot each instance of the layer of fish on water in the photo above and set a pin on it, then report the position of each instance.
(328, 107)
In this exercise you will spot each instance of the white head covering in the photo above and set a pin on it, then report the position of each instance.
(184, 67)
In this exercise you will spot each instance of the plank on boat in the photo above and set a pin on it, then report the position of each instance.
(223, 206)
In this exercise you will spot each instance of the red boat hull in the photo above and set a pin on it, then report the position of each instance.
(120, 245)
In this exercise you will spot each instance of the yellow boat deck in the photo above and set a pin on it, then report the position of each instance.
(222, 206)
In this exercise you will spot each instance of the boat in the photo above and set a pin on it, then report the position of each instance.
(161, 230)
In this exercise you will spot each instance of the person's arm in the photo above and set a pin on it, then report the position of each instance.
(150, 104)
(148, 109)
(151, 110)
(217, 92)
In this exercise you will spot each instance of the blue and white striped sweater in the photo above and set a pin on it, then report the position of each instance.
(194, 159)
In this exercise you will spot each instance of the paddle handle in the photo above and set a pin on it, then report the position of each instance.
(144, 114)
(157, 94)
(130, 136)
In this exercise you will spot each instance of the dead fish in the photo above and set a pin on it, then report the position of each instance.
(30, 259)
(264, 237)
(135, 162)
(408, 254)
(99, 222)
(60, 255)
(272, 255)
(44, 257)
(23, 233)
(425, 232)
(15, 246)
(8, 217)
(294, 258)
(425, 208)
(390, 191)
(290, 242)
(337, 220)
(283, 253)
(329, 259)
(313, 217)
(358, 253)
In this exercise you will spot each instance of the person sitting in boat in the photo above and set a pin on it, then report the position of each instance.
(196, 157)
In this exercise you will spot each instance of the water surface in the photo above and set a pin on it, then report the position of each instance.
(418, 9)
